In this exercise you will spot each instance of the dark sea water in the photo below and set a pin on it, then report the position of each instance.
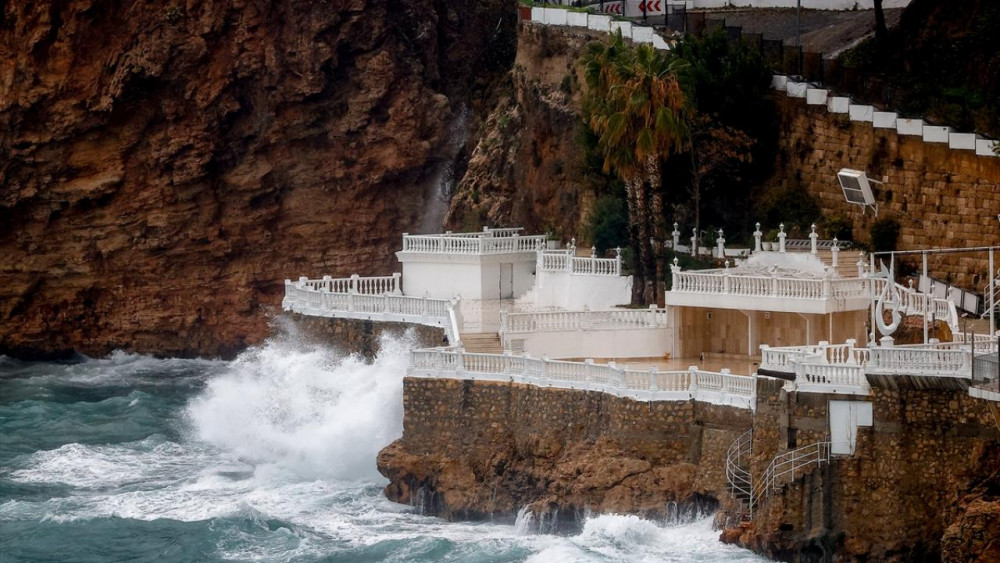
(270, 457)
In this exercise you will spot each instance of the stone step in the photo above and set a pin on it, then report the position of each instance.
(482, 342)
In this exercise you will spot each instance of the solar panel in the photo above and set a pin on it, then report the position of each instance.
(856, 188)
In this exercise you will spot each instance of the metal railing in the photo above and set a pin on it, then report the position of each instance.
(645, 385)
(785, 468)
(738, 457)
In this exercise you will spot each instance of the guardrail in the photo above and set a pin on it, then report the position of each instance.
(480, 243)
(785, 468)
(555, 321)
(724, 282)
(565, 260)
(652, 385)
(377, 285)
(738, 477)
(312, 298)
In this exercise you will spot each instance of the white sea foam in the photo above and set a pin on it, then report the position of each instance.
(307, 412)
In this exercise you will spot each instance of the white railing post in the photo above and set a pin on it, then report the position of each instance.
(834, 252)
(812, 239)
(694, 241)
(720, 245)
(677, 237)
(756, 238)
(397, 287)
(861, 264)
(827, 275)
(774, 281)
(674, 270)
(618, 261)
(727, 280)
(781, 237)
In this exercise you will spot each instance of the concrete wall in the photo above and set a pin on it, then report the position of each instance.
(472, 277)
(604, 344)
(942, 197)
(575, 292)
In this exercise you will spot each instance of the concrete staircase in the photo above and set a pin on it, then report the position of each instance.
(482, 343)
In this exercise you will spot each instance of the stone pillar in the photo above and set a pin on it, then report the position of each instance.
(781, 237)
(397, 286)
(721, 245)
(727, 280)
(861, 264)
(756, 238)
(677, 237)
(834, 252)
(812, 239)
(618, 261)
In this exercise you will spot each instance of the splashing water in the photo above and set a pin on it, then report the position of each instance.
(268, 457)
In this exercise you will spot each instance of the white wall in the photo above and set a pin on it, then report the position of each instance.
(442, 280)
(576, 292)
(613, 343)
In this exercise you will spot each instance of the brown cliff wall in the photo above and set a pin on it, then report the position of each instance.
(167, 164)
(528, 168)
(941, 197)
(930, 461)
(473, 449)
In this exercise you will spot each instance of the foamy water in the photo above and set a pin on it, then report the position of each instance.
(269, 457)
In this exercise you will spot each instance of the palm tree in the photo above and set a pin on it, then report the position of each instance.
(636, 108)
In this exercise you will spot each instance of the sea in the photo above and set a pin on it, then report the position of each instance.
(268, 457)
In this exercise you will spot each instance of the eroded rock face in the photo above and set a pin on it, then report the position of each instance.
(167, 164)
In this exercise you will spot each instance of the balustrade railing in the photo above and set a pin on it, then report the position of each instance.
(377, 285)
(314, 298)
(495, 241)
(651, 385)
(565, 261)
(553, 321)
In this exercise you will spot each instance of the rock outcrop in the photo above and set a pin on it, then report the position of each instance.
(168, 163)
(528, 167)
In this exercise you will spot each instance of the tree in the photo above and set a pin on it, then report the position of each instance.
(635, 105)
(881, 32)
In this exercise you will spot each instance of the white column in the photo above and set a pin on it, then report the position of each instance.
(812, 239)
(677, 237)
(721, 245)
(834, 252)
(756, 238)
(781, 237)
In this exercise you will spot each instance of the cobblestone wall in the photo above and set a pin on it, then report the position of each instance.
(353, 336)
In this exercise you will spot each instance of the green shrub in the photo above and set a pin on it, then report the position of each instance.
(885, 234)
(838, 227)
(607, 223)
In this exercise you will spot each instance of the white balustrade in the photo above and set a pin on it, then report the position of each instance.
(554, 321)
(653, 385)
(494, 241)
(370, 298)
(564, 261)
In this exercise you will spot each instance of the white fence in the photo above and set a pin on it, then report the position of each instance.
(489, 242)
(314, 298)
(584, 320)
(613, 333)
(377, 285)
(722, 282)
(620, 381)
(565, 260)
(842, 368)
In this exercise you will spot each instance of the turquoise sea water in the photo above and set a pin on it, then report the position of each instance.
(270, 457)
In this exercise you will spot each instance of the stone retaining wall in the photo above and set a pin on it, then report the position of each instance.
(477, 449)
(941, 197)
(353, 336)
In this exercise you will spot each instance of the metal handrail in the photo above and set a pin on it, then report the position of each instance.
(786, 466)
(739, 479)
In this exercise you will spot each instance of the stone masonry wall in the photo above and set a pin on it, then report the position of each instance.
(941, 197)
(353, 336)
(900, 491)
(476, 449)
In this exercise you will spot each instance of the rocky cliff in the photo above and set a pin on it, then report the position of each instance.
(528, 168)
(168, 163)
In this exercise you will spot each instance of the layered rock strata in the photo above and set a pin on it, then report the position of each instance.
(167, 163)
